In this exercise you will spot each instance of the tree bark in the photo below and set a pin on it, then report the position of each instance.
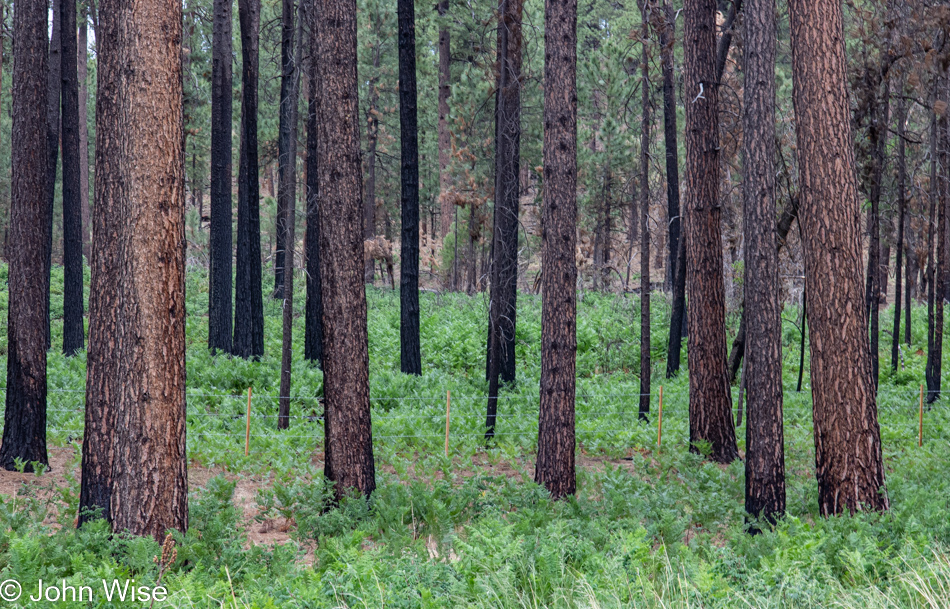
(645, 125)
(556, 441)
(710, 405)
(348, 435)
(765, 454)
(313, 316)
(934, 276)
(901, 211)
(24, 429)
(73, 331)
(82, 64)
(667, 42)
(248, 338)
(848, 460)
(288, 101)
(134, 459)
(372, 139)
(504, 269)
(446, 206)
(54, 85)
(410, 349)
(220, 246)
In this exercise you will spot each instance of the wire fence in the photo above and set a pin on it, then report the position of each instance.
(610, 419)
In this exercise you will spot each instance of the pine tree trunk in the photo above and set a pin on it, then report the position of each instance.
(504, 268)
(248, 299)
(24, 429)
(710, 406)
(313, 317)
(848, 460)
(219, 289)
(645, 125)
(73, 332)
(765, 455)
(901, 211)
(878, 142)
(934, 276)
(372, 139)
(667, 41)
(348, 435)
(54, 83)
(82, 64)
(446, 205)
(134, 459)
(556, 442)
(288, 103)
(410, 349)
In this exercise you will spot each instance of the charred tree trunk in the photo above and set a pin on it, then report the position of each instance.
(901, 211)
(934, 266)
(372, 139)
(24, 429)
(82, 60)
(248, 299)
(348, 434)
(446, 205)
(410, 350)
(134, 460)
(848, 460)
(219, 289)
(504, 268)
(54, 83)
(667, 42)
(645, 125)
(73, 331)
(313, 317)
(556, 442)
(288, 102)
(710, 405)
(765, 454)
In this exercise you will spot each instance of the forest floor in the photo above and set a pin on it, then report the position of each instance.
(650, 526)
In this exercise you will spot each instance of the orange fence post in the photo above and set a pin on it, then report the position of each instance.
(247, 433)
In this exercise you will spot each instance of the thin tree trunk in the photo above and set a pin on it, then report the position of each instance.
(878, 140)
(220, 245)
(645, 125)
(762, 372)
(82, 64)
(556, 441)
(410, 350)
(667, 42)
(504, 271)
(446, 205)
(801, 348)
(24, 429)
(134, 458)
(901, 211)
(73, 332)
(248, 299)
(372, 140)
(288, 103)
(348, 435)
(848, 460)
(313, 317)
(54, 84)
(934, 304)
(710, 405)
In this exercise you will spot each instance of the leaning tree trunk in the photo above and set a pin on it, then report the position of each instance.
(765, 454)
(446, 205)
(848, 460)
(219, 289)
(313, 316)
(348, 429)
(555, 465)
(24, 429)
(410, 350)
(901, 211)
(710, 406)
(504, 268)
(248, 338)
(54, 82)
(73, 332)
(645, 364)
(134, 460)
